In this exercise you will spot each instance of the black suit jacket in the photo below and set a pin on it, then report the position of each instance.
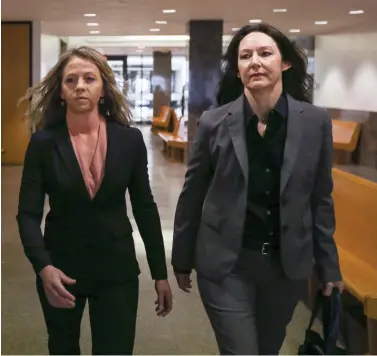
(89, 238)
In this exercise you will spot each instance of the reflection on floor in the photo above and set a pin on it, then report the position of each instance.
(185, 331)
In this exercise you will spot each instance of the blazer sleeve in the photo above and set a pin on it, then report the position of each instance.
(146, 213)
(322, 205)
(190, 202)
(30, 205)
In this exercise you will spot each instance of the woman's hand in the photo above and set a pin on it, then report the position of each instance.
(329, 286)
(184, 281)
(53, 285)
(164, 297)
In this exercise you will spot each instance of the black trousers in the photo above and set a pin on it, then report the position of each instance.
(112, 312)
(250, 309)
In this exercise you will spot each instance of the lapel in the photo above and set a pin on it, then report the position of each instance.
(67, 152)
(65, 147)
(235, 121)
(112, 162)
(293, 140)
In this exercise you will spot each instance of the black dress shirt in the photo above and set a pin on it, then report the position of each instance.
(265, 154)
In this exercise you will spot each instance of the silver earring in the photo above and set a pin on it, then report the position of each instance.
(62, 102)
(102, 101)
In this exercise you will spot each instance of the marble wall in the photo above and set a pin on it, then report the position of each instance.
(162, 74)
(205, 54)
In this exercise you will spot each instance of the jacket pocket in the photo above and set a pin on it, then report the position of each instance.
(211, 216)
(307, 221)
(120, 232)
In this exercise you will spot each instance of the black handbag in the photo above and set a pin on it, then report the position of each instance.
(332, 327)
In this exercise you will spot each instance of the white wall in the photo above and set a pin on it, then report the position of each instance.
(50, 52)
(346, 72)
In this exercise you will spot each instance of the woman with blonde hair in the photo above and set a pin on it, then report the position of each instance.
(85, 155)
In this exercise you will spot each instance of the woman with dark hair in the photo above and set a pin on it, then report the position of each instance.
(296, 82)
(85, 156)
(256, 207)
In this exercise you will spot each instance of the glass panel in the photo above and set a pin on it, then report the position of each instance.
(117, 67)
(179, 84)
(140, 70)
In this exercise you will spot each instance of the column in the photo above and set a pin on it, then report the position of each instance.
(307, 43)
(161, 80)
(205, 54)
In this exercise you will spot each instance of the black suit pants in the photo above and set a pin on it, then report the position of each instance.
(112, 311)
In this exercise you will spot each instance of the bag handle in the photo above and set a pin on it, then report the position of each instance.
(315, 312)
(316, 308)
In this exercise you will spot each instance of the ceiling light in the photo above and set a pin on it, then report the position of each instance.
(92, 24)
(94, 32)
(235, 29)
(255, 21)
(169, 11)
(321, 22)
(154, 29)
(280, 10)
(161, 22)
(139, 50)
(90, 15)
(356, 12)
(294, 30)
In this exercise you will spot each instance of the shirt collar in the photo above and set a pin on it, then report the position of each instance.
(281, 107)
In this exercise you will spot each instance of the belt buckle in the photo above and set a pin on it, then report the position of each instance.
(265, 248)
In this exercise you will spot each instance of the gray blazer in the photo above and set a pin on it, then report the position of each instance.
(211, 208)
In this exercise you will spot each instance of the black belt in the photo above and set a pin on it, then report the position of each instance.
(264, 247)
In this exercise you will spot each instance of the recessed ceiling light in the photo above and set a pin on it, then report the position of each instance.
(255, 21)
(161, 22)
(235, 29)
(321, 22)
(92, 24)
(356, 12)
(154, 29)
(169, 11)
(280, 10)
(294, 30)
(90, 15)
(94, 32)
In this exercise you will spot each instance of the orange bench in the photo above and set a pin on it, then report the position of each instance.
(345, 137)
(174, 145)
(355, 202)
(162, 122)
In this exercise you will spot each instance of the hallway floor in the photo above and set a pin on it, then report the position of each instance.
(185, 331)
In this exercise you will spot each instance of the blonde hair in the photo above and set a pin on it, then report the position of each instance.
(45, 109)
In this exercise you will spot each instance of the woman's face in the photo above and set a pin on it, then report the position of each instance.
(260, 64)
(82, 85)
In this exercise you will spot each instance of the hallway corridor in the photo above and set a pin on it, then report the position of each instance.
(185, 331)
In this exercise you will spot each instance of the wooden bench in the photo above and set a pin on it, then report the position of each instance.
(345, 138)
(355, 201)
(162, 122)
(174, 144)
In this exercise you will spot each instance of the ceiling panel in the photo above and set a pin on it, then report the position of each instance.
(131, 17)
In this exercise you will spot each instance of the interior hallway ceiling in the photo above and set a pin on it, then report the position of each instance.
(131, 17)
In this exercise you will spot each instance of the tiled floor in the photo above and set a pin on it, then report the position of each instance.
(185, 331)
